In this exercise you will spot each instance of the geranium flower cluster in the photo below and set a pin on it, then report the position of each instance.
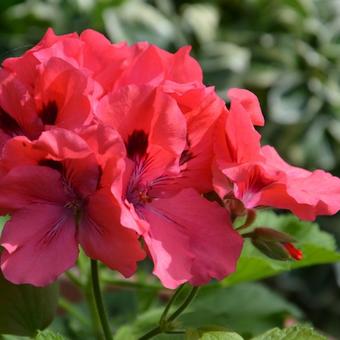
(112, 147)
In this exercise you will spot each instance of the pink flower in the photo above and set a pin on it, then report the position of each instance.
(257, 175)
(189, 238)
(57, 97)
(57, 200)
(102, 144)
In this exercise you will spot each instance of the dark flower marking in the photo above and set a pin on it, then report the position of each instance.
(49, 113)
(186, 156)
(56, 165)
(137, 144)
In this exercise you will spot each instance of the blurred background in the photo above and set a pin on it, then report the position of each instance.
(285, 51)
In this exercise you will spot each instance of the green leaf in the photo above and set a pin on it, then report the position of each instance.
(221, 336)
(292, 333)
(3, 220)
(25, 309)
(197, 333)
(318, 247)
(48, 335)
(249, 308)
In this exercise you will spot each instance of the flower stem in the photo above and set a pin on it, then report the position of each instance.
(164, 315)
(165, 322)
(184, 305)
(99, 300)
(96, 326)
(155, 331)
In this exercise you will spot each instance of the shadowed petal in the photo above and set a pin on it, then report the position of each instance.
(103, 238)
(29, 184)
(40, 244)
(190, 239)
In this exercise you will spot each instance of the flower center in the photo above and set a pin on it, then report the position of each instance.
(75, 202)
(144, 196)
(137, 144)
(138, 195)
(49, 113)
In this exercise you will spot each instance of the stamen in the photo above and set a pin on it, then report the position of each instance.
(144, 197)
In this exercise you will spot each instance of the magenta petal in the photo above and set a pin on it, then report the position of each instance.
(25, 185)
(104, 238)
(190, 239)
(39, 244)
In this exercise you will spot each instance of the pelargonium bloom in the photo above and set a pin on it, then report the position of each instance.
(257, 176)
(59, 80)
(57, 200)
(56, 97)
(103, 144)
(189, 238)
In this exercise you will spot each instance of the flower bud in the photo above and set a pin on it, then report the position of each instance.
(274, 244)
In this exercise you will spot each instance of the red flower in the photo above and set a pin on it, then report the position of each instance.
(189, 238)
(56, 204)
(259, 177)
(103, 143)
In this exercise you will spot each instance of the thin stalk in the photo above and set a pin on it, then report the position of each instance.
(184, 305)
(155, 331)
(164, 315)
(99, 301)
(96, 326)
(165, 322)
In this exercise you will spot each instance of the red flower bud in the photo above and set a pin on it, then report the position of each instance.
(295, 253)
(274, 244)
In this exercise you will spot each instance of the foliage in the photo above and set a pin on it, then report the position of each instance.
(25, 309)
(317, 246)
(292, 333)
(48, 335)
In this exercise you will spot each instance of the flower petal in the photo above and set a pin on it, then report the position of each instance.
(39, 251)
(29, 184)
(63, 86)
(249, 102)
(190, 239)
(103, 238)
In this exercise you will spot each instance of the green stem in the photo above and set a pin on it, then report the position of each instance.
(99, 300)
(164, 315)
(184, 305)
(155, 331)
(164, 322)
(96, 327)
